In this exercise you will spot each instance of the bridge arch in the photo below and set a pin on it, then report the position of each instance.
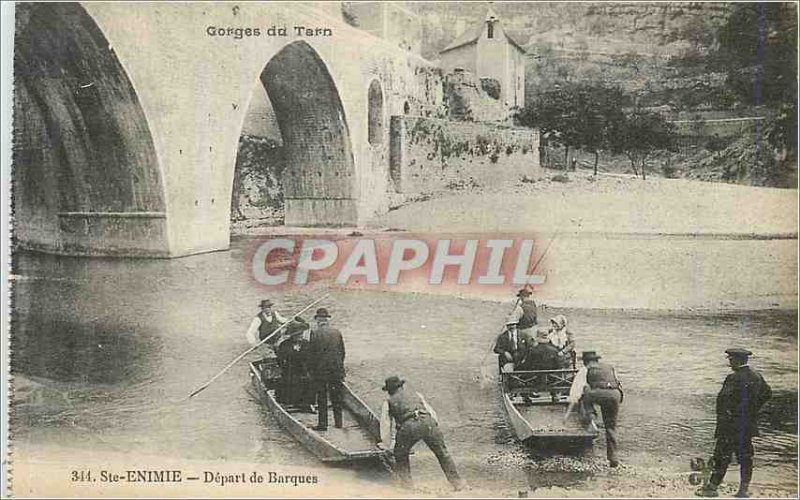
(318, 175)
(86, 173)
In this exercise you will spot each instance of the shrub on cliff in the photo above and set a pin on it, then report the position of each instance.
(492, 87)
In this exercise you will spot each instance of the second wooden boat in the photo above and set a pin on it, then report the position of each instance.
(535, 407)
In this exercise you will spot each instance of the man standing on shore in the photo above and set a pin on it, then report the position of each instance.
(326, 363)
(743, 394)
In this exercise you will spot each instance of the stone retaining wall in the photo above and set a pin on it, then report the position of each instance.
(427, 154)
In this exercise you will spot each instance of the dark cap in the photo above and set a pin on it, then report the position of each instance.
(589, 356)
(524, 293)
(392, 383)
(265, 303)
(322, 313)
(738, 352)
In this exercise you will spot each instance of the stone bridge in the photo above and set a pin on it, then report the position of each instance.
(127, 118)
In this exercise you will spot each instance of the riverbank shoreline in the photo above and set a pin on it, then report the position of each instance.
(618, 242)
(585, 204)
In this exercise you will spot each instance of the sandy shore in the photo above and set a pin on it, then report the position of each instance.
(624, 243)
(609, 204)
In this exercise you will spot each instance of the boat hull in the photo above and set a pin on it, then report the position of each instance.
(356, 443)
(540, 420)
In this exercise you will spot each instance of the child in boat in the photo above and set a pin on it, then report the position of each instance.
(563, 339)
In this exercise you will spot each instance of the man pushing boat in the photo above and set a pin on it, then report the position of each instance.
(407, 418)
(596, 383)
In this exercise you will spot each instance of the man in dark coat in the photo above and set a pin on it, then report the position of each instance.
(326, 362)
(507, 346)
(743, 394)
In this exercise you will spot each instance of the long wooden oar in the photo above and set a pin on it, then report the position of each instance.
(569, 411)
(539, 260)
(215, 377)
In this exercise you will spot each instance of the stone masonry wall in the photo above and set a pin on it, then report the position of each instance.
(468, 100)
(428, 154)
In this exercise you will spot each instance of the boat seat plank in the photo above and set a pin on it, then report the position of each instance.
(527, 382)
(547, 419)
(352, 437)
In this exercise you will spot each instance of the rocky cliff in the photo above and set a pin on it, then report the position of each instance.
(642, 47)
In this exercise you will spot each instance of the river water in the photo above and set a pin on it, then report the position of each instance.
(106, 349)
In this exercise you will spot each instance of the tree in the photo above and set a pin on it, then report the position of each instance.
(601, 111)
(758, 51)
(640, 134)
(555, 114)
(579, 115)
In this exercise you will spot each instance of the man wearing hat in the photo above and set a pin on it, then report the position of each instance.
(508, 346)
(599, 386)
(264, 324)
(406, 418)
(525, 313)
(743, 394)
(326, 363)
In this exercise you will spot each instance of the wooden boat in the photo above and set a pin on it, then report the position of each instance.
(355, 442)
(535, 407)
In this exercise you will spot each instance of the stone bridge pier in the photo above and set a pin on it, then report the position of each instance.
(127, 119)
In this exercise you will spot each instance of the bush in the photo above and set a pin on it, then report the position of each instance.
(669, 171)
(716, 143)
(560, 178)
(492, 87)
(460, 184)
